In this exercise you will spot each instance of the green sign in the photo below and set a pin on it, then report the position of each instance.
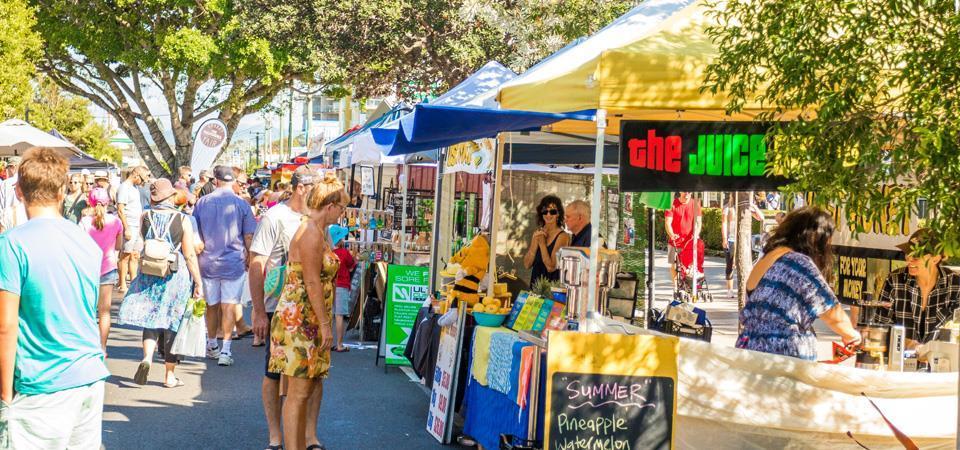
(407, 288)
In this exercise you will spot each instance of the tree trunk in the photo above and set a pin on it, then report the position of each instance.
(744, 251)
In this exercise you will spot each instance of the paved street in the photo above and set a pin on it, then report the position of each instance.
(219, 407)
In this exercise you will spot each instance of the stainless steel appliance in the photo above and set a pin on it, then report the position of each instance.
(575, 275)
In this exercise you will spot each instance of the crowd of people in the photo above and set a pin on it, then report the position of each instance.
(70, 241)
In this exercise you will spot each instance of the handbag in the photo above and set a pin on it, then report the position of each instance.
(274, 279)
(191, 337)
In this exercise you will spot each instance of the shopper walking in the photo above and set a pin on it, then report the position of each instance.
(12, 211)
(107, 231)
(76, 200)
(158, 297)
(269, 253)
(130, 210)
(301, 333)
(226, 227)
(50, 353)
(344, 282)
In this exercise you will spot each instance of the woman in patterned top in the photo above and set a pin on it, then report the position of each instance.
(787, 291)
(923, 295)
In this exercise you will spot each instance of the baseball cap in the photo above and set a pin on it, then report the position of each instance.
(223, 173)
(98, 196)
(161, 189)
(204, 173)
(924, 238)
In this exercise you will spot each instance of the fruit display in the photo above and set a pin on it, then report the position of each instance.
(490, 305)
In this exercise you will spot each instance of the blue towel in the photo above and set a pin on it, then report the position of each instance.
(501, 359)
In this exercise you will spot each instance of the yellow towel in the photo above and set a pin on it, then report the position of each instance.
(481, 351)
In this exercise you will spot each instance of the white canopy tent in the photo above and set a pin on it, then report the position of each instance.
(17, 136)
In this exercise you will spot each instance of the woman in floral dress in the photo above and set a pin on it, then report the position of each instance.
(301, 332)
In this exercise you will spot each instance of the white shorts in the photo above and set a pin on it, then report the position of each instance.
(223, 291)
(72, 418)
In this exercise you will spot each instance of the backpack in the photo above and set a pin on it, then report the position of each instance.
(159, 256)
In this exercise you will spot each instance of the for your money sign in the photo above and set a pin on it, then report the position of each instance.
(406, 292)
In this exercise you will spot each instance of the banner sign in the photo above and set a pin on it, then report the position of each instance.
(598, 402)
(210, 138)
(406, 292)
(443, 392)
(474, 157)
(695, 156)
(366, 181)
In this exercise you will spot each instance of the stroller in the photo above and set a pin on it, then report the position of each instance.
(685, 274)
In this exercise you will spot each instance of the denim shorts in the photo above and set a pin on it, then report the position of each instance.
(110, 278)
(342, 302)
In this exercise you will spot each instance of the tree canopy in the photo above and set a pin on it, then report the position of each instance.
(878, 82)
(19, 46)
(214, 58)
(52, 109)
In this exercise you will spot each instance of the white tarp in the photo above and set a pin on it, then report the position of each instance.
(737, 399)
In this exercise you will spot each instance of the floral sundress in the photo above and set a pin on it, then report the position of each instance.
(295, 330)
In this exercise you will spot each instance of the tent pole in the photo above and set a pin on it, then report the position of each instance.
(651, 235)
(495, 219)
(403, 214)
(379, 186)
(435, 245)
(595, 216)
(353, 172)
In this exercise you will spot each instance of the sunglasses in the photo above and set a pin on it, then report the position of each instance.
(550, 212)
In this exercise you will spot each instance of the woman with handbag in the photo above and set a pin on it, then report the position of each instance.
(301, 331)
(168, 277)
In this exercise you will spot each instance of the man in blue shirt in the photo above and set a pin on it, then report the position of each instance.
(51, 363)
(226, 226)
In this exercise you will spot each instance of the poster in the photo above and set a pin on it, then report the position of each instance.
(628, 401)
(367, 187)
(695, 156)
(442, 395)
(474, 157)
(210, 138)
(406, 292)
(852, 279)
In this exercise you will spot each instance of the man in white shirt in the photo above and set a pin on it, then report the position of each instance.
(12, 212)
(130, 210)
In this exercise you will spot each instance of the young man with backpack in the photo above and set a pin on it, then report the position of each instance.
(226, 227)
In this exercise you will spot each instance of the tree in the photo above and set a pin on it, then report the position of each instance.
(19, 46)
(878, 83)
(214, 58)
(70, 116)
(416, 48)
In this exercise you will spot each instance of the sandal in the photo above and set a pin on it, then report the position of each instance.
(274, 447)
(244, 334)
(258, 342)
(143, 371)
(341, 349)
(176, 383)
(316, 447)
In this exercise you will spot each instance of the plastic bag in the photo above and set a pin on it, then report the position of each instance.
(245, 297)
(191, 338)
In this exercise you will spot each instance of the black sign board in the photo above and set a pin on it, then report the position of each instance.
(659, 156)
(591, 411)
(852, 279)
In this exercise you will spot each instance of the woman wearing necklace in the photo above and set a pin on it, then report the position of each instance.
(301, 333)
(75, 201)
(541, 256)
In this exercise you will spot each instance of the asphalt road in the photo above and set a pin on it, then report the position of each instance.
(220, 408)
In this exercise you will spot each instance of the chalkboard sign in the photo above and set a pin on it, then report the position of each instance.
(611, 412)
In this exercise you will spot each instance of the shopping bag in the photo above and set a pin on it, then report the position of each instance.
(191, 339)
(245, 297)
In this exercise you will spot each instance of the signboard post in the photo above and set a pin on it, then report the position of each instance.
(598, 401)
(442, 395)
(695, 156)
(406, 292)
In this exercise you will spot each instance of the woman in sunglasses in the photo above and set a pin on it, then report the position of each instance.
(76, 200)
(541, 256)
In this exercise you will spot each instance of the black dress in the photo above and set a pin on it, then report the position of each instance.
(539, 269)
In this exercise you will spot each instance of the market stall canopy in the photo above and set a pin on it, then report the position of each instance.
(429, 127)
(16, 136)
(478, 90)
(648, 64)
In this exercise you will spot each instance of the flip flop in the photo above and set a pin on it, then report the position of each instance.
(143, 371)
(316, 447)
(244, 334)
(273, 447)
(176, 383)
(260, 343)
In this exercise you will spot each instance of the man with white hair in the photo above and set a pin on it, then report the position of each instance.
(577, 218)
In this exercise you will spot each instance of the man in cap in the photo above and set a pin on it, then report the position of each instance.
(226, 227)
(130, 210)
(923, 295)
(204, 185)
(269, 250)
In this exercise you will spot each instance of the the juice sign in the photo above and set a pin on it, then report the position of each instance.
(695, 156)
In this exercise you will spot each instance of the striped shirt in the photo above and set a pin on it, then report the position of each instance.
(902, 291)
